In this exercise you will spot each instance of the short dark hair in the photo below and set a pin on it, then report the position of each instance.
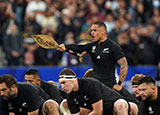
(101, 24)
(32, 71)
(67, 71)
(9, 80)
(147, 79)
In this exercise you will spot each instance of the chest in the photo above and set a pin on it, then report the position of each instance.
(101, 53)
(82, 101)
(18, 106)
(153, 108)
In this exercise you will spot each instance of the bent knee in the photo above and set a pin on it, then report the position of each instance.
(51, 106)
(120, 104)
(134, 108)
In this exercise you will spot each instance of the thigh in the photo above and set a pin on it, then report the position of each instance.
(42, 110)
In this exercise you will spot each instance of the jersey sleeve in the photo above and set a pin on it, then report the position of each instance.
(3, 107)
(80, 48)
(55, 94)
(34, 99)
(117, 52)
(94, 92)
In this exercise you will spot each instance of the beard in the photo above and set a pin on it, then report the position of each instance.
(149, 97)
(11, 95)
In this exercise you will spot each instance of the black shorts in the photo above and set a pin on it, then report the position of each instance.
(108, 108)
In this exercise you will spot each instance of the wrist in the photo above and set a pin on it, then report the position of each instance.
(120, 82)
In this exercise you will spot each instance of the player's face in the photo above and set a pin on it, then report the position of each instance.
(145, 91)
(95, 33)
(136, 90)
(5, 92)
(66, 85)
(31, 79)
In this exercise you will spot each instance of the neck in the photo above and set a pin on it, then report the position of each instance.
(76, 86)
(102, 40)
(16, 92)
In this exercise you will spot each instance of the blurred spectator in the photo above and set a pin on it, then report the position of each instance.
(50, 20)
(124, 25)
(139, 18)
(35, 8)
(19, 9)
(13, 46)
(132, 8)
(30, 47)
(100, 4)
(67, 58)
(109, 21)
(94, 11)
(6, 15)
(40, 56)
(157, 50)
(145, 48)
(115, 31)
(122, 7)
(65, 25)
(124, 42)
(31, 27)
(53, 56)
(34, 54)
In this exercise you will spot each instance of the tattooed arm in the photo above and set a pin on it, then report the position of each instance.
(123, 69)
(123, 73)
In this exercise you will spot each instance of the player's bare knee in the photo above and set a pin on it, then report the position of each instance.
(120, 105)
(134, 109)
(65, 105)
(51, 106)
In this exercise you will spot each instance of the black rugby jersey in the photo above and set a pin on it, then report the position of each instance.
(29, 99)
(3, 107)
(52, 91)
(104, 57)
(151, 108)
(90, 92)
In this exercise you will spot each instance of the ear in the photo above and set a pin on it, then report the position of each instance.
(38, 81)
(103, 31)
(153, 89)
(13, 87)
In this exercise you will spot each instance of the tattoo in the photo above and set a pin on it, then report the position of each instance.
(123, 68)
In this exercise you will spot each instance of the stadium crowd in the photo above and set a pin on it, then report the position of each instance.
(133, 24)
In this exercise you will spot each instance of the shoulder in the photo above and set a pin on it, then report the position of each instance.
(86, 83)
(87, 80)
(47, 86)
(26, 87)
(112, 43)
